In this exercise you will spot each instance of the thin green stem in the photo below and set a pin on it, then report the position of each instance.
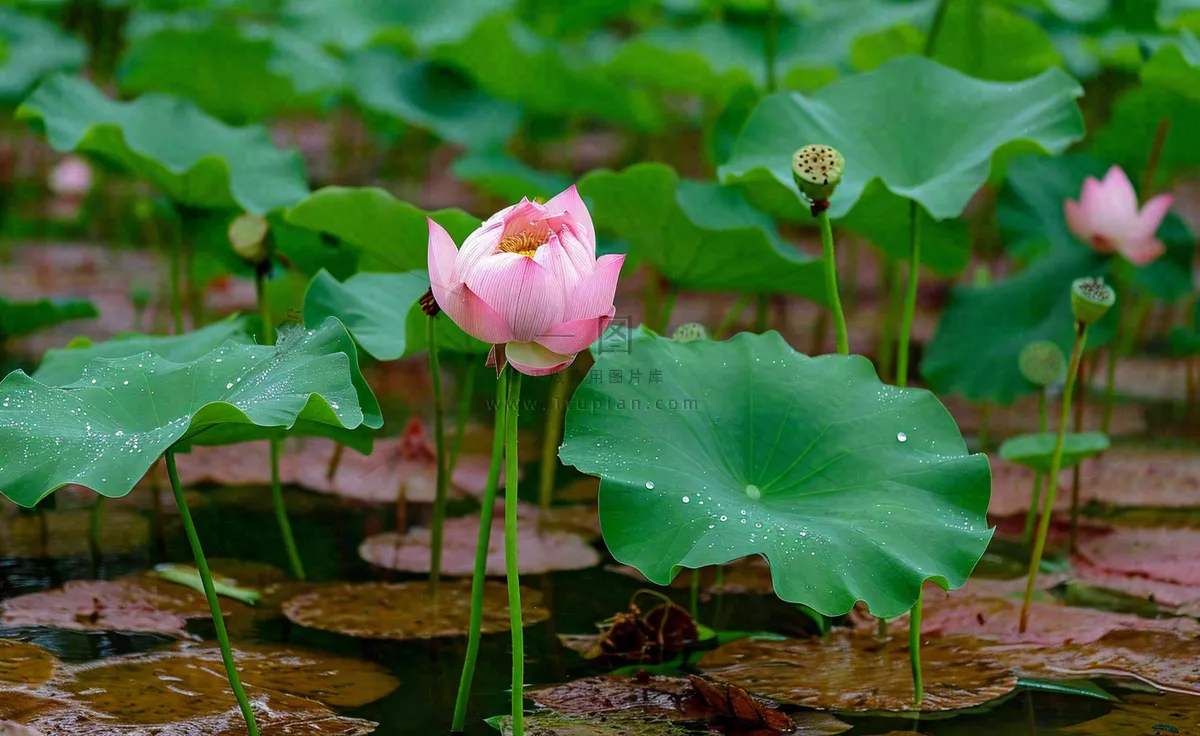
(1037, 476)
(914, 647)
(1156, 149)
(695, 593)
(281, 514)
(762, 313)
(174, 260)
(511, 566)
(731, 316)
(668, 307)
(770, 44)
(887, 335)
(1039, 545)
(439, 442)
(479, 578)
(935, 29)
(211, 594)
(555, 412)
(94, 523)
(831, 284)
(910, 295)
(465, 393)
(335, 461)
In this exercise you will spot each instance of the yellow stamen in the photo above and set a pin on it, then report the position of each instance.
(525, 243)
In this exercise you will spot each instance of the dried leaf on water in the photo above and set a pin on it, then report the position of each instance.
(24, 665)
(1168, 555)
(653, 637)
(406, 610)
(855, 672)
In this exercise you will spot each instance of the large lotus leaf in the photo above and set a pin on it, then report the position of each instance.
(18, 319)
(1037, 450)
(393, 232)
(883, 218)
(105, 430)
(852, 489)
(350, 25)
(381, 311)
(513, 63)
(942, 150)
(235, 76)
(699, 235)
(1176, 66)
(425, 94)
(706, 59)
(30, 49)
(498, 173)
(195, 159)
(1130, 132)
(1173, 13)
(828, 32)
(64, 366)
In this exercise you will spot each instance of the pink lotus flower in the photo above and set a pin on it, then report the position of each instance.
(528, 281)
(1107, 216)
(71, 177)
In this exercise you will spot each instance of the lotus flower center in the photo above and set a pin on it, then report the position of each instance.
(525, 243)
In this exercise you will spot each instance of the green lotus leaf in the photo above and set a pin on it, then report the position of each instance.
(883, 219)
(64, 366)
(498, 173)
(351, 25)
(943, 164)
(1130, 132)
(105, 430)
(381, 311)
(395, 233)
(18, 319)
(830, 31)
(707, 60)
(1176, 67)
(235, 75)
(503, 56)
(194, 159)
(1037, 450)
(699, 235)
(852, 489)
(425, 94)
(1179, 13)
(30, 49)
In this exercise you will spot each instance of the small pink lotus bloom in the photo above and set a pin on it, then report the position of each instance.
(72, 177)
(1107, 217)
(528, 281)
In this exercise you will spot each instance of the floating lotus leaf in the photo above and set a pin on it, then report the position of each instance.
(25, 665)
(1158, 595)
(106, 430)
(1158, 554)
(194, 159)
(18, 319)
(699, 235)
(540, 551)
(394, 233)
(62, 366)
(382, 312)
(498, 173)
(851, 489)
(548, 723)
(406, 610)
(427, 95)
(856, 672)
(32, 48)
(941, 168)
(1037, 450)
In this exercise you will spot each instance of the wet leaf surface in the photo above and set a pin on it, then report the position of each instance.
(406, 610)
(546, 723)
(1180, 599)
(24, 665)
(1168, 555)
(540, 551)
(854, 672)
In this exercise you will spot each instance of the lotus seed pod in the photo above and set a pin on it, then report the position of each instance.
(817, 171)
(1091, 298)
(689, 332)
(1042, 363)
(248, 236)
(140, 296)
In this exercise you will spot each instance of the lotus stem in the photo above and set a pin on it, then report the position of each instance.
(335, 461)
(174, 261)
(479, 577)
(1037, 476)
(887, 334)
(731, 317)
(935, 28)
(555, 413)
(831, 284)
(695, 594)
(276, 443)
(914, 647)
(465, 393)
(94, 524)
(439, 442)
(770, 44)
(1156, 149)
(1039, 545)
(910, 295)
(762, 313)
(511, 566)
(211, 594)
(668, 307)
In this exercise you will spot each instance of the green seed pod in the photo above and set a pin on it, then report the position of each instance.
(1042, 363)
(248, 236)
(689, 332)
(140, 297)
(817, 171)
(1091, 298)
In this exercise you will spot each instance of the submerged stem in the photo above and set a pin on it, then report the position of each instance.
(1052, 478)
(479, 577)
(511, 566)
(211, 594)
(555, 413)
(439, 443)
(910, 295)
(731, 316)
(831, 284)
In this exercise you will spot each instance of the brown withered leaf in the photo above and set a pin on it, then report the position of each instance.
(650, 637)
(24, 665)
(735, 704)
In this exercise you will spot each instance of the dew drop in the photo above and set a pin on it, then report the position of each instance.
(686, 499)
(900, 436)
(229, 385)
(753, 492)
(649, 486)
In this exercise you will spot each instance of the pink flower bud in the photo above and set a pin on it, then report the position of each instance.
(1107, 217)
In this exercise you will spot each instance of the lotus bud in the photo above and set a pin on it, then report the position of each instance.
(1091, 299)
(248, 236)
(1042, 363)
(140, 297)
(690, 332)
(817, 171)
